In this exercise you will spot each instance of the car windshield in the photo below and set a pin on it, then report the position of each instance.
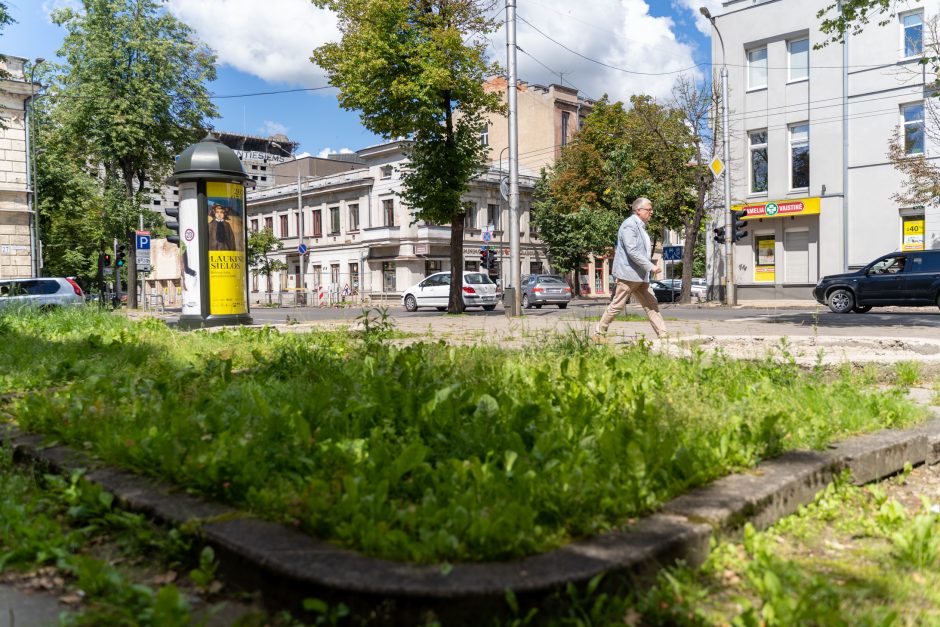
(475, 278)
(554, 280)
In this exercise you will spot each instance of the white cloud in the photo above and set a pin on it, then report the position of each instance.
(701, 22)
(269, 128)
(619, 33)
(323, 154)
(272, 40)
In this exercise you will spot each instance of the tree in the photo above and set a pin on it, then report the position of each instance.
(416, 68)
(260, 245)
(133, 95)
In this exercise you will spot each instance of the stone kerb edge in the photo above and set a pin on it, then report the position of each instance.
(290, 566)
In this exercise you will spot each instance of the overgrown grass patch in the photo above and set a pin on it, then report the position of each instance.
(426, 452)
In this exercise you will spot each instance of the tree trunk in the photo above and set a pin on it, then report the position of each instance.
(691, 234)
(455, 302)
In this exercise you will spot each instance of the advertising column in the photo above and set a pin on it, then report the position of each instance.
(226, 248)
(189, 250)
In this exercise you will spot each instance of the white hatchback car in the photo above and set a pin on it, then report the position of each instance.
(45, 293)
(478, 291)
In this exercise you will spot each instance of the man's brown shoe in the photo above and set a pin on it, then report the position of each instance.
(598, 338)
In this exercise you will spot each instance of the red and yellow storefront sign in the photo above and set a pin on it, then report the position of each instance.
(780, 208)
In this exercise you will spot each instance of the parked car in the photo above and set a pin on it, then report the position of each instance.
(478, 291)
(665, 293)
(545, 289)
(699, 288)
(45, 293)
(902, 278)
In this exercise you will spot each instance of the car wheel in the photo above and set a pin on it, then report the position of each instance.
(410, 303)
(489, 307)
(538, 306)
(441, 308)
(841, 301)
(861, 308)
(525, 301)
(562, 305)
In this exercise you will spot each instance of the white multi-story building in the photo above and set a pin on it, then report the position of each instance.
(362, 239)
(809, 136)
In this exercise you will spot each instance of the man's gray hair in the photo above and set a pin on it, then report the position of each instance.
(642, 200)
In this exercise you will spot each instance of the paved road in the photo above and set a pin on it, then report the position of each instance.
(922, 321)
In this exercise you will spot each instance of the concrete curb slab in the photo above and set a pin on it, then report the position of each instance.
(289, 566)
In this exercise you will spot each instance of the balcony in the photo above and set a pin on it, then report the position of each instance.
(430, 232)
(381, 234)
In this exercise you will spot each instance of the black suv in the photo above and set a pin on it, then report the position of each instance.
(906, 278)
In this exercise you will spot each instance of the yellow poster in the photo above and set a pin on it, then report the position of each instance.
(764, 269)
(227, 268)
(913, 234)
(764, 274)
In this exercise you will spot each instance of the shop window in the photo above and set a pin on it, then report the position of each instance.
(912, 229)
(765, 265)
(354, 277)
(757, 68)
(431, 266)
(798, 59)
(758, 174)
(799, 156)
(913, 116)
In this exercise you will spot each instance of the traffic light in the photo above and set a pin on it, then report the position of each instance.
(121, 254)
(173, 225)
(738, 223)
(492, 260)
(106, 259)
(719, 236)
(484, 256)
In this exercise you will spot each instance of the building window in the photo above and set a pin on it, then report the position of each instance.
(354, 277)
(758, 141)
(269, 223)
(912, 32)
(318, 223)
(913, 115)
(799, 156)
(284, 232)
(757, 68)
(388, 276)
(354, 217)
(334, 274)
(485, 135)
(469, 216)
(386, 171)
(156, 203)
(798, 57)
(765, 266)
(492, 216)
(334, 220)
(431, 266)
(565, 122)
(388, 210)
(254, 226)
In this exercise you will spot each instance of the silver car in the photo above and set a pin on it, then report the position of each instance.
(545, 289)
(45, 293)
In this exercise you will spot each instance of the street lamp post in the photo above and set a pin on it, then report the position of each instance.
(730, 295)
(31, 179)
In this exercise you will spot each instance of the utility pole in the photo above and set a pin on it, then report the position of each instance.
(514, 259)
(117, 276)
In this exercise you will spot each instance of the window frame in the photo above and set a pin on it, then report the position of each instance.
(352, 211)
(790, 77)
(388, 211)
(790, 144)
(923, 128)
(317, 219)
(496, 223)
(284, 225)
(565, 127)
(903, 34)
(335, 226)
(750, 63)
(752, 147)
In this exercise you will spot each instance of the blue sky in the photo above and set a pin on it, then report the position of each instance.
(265, 46)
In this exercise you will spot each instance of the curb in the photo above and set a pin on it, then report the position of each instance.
(288, 566)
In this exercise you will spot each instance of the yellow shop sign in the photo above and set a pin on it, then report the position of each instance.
(780, 208)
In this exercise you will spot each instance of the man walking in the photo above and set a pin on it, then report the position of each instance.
(632, 267)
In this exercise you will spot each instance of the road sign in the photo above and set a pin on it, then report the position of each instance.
(143, 240)
(487, 235)
(672, 253)
(302, 249)
(717, 166)
(504, 188)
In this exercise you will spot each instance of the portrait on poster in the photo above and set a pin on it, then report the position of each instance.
(226, 248)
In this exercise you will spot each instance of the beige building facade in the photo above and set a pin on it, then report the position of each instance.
(17, 244)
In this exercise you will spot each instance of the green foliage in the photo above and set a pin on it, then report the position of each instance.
(261, 244)
(907, 373)
(427, 452)
(417, 70)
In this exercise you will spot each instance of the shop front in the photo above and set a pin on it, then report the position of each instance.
(779, 256)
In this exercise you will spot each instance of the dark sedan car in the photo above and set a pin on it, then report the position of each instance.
(665, 293)
(902, 278)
